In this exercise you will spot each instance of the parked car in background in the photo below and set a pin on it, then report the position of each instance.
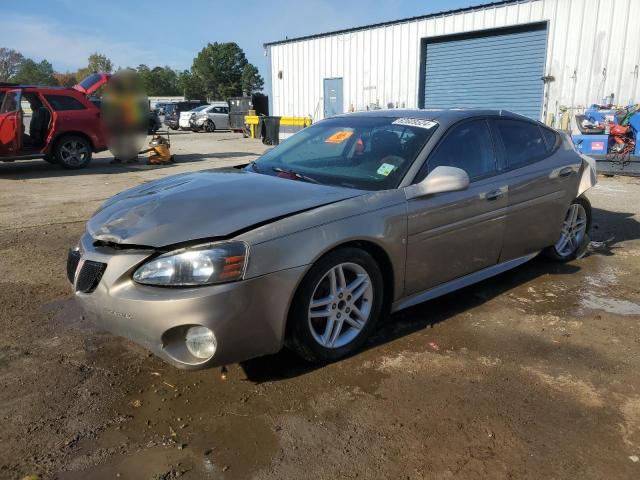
(311, 244)
(172, 111)
(185, 117)
(211, 118)
(64, 129)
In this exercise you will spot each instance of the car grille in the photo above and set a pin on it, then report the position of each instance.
(72, 264)
(90, 273)
(89, 276)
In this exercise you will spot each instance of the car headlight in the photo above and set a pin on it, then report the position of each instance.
(201, 265)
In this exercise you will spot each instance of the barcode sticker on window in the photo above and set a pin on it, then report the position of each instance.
(415, 122)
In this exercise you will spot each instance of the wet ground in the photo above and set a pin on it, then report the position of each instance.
(533, 374)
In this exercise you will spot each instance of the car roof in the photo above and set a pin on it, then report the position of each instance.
(9, 86)
(444, 115)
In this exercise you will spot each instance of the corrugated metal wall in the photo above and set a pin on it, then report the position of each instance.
(593, 50)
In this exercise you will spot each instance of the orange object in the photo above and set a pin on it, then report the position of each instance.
(339, 137)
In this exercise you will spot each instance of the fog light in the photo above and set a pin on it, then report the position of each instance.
(201, 342)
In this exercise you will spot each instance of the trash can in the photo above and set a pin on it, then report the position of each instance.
(270, 131)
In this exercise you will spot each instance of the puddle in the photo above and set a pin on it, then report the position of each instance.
(152, 463)
(610, 305)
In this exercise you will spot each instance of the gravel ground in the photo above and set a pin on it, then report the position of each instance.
(532, 374)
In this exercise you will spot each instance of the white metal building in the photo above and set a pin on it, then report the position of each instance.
(537, 57)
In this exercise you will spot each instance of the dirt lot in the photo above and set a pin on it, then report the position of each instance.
(533, 374)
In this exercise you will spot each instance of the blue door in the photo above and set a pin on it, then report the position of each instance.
(500, 70)
(333, 97)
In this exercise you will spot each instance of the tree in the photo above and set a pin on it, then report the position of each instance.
(32, 73)
(252, 82)
(66, 79)
(191, 86)
(10, 62)
(95, 63)
(220, 68)
(159, 81)
(99, 63)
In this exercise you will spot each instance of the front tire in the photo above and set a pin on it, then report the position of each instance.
(336, 306)
(574, 236)
(209, 126)
(73, 152)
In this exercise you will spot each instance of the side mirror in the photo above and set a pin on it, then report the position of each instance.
(441, 179)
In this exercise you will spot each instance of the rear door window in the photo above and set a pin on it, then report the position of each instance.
(523, 142)
(468, 146)
(551, 138)
(61, 103)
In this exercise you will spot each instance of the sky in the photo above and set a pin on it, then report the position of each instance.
(161, 32)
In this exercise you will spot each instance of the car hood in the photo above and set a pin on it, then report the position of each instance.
(204, 205)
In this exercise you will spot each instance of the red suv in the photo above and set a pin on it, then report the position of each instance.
(64, 127)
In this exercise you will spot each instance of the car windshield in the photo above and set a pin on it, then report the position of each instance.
(199, 109)
(369, 153)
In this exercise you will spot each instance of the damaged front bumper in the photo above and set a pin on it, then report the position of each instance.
(243, 315)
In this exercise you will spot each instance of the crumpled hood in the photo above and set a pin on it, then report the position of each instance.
(204, 205)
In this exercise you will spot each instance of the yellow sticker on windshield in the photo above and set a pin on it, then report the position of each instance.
(385, 169)
(339, 137)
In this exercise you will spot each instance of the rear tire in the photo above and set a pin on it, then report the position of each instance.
(336, 306)
(574, 237)
(73, 152)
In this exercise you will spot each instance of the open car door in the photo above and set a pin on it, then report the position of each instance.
(92, 83)
(11, 123)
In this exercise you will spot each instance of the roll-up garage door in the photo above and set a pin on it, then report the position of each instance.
(502, 69)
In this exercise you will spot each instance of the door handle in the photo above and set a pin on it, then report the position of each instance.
(566, 172)
(495, 195)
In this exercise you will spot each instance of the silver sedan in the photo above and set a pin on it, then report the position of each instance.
(350, 219)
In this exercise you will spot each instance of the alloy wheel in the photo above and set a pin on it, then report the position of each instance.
(73, 153)
(341, 305)
(574, 229)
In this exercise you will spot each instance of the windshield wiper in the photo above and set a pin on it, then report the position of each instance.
(295, 174)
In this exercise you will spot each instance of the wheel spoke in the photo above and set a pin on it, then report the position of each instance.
(342, 282)
(355, 295)
(359, 280)
(325, 312)
(562, 243)
(573, 242)
(337, 328)
(331, 332)
(321, 302)
(333, 287)
(574, 214)
(357, 322)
